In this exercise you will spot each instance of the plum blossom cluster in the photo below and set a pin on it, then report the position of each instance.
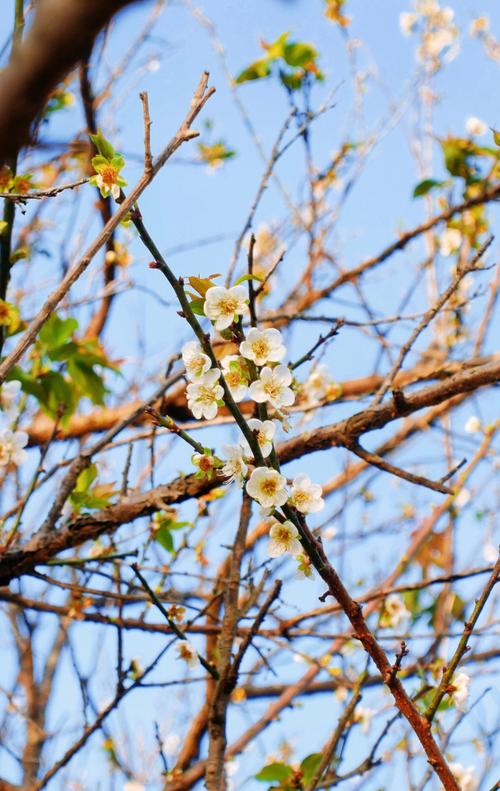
(439, 34)
(258, 372)
(12, 441)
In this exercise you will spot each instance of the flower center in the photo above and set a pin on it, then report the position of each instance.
(269, 486)
(108, 175)
(228, 305)
(260, 348)
(283, 535)
(301, 497)
(196, 364)
(205, 394)
(272, 388)
(233, 378)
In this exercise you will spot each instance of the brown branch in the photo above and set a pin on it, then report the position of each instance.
(62, 34)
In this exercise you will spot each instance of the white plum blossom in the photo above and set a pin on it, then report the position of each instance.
(394, 612)
(8, 396)
(306, 496)
(268, 487)
(474, 126)
(207, 463)
(236, 375)
(187, 652)
(224, 305)
(273, 386)
(196, 362)
(473, 425)
(465, 777)
(263, 346)
(133, 785)
(460, 691)
(363, 715)
(407, 22)
(234, 468)
(11, 447)
(490, 552)
(450, 241)
(265, 431)
(203, 395)
(284, 538)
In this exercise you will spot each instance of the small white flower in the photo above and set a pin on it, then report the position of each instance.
(133, 785)
(224, 305)
(363, 715)
(197, 363)
(236, 375)
(273, 386)
(234, 468)
(263, 346)
(450, 241)
(203, 395)
(465, 777)
(206, 463)
(394, 612)
(472, 425)
(460, 692)
(11, 447)
(268, 487)
(232, 766)
(284, 538)
(265, 431)
(462, 498)
(330, 533)
(8, 396)
(474, 126)
(306, 496)
(407, 22)
(341, 694)
(187, 652)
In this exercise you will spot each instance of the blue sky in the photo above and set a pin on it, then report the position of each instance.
(185, 204)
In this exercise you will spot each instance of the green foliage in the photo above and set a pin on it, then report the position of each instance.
(287, 777)
(87, 496)
(200, 286)
(425, 186)
(275, 773)
(103, 146)
(65, 369)
(293, 60)
(215, 154)
(164, 526)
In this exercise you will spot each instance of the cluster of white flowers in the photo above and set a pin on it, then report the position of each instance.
(450, 241)
(256, 371)
(438, 31)
(465, 777)
(12, 442)
(394, 612)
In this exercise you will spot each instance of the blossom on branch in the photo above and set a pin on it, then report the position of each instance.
(465, 777)
(236, 375)
(284, 538)
(203, 396)
(263, 346)
(306, 496)
(197, 363)
(273, 386)
(11, 447)
(268, 487)
(460, 689)
(394, 612)
(187, 652)
(264, 431)
(223, 306)
(234, 468)
(8, 396)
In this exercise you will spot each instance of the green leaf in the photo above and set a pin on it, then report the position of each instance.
(258, 70)
(85, 479)
(197, 306)
(88, 381)
(201, 284)
(243, 278)
(425, 186)
(164, 537)
(308, 767)
(103, 146)
(274, 771)
(299, 55)
(496, 137)
(56, 331)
